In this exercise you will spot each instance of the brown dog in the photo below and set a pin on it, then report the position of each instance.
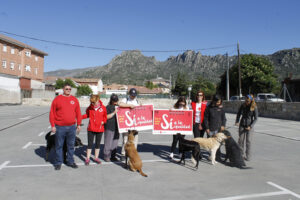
(135, 162)
(211, 144)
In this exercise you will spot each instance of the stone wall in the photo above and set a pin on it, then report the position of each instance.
(289, 111)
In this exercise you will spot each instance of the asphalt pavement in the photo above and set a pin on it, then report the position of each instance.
(24, 174)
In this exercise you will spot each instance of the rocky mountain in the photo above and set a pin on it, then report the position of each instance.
(132, 67)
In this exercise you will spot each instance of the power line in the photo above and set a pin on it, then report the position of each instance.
(113, 49)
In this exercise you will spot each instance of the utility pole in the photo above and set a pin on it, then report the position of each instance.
(227, 79)
(170, 86)
(239, 67)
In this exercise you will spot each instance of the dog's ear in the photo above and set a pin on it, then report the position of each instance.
(129, 131)
(135, 132)
(228, 136)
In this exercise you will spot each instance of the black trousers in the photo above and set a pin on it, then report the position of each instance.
(175, 141)
(91, 136)
(197, 132)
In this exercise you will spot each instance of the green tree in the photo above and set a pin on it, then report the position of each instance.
(83, 90)
(181, 85)
(150, 85)
(257, 75)
(206, 86)
(60, 83)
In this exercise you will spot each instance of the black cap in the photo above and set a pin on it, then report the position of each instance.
(133, 92)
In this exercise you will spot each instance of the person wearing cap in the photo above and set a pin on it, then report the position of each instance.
(131, 101)
(249, 113)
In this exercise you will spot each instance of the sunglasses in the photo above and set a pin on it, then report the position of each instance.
(199, 95)
(68, 89)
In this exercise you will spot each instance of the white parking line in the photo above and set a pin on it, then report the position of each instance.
(259, 195)
(284, 189)
(3, 165)
(79, 164)
(42, 133)
(169, 142)
(26, 145)
(25, 117)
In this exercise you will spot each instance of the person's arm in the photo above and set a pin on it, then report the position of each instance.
(78, 116)
(255, 118)
(223, 120)
(87, 114)
(52, 116)
(104, 115)
(125, 105)
(238, 115)
(206, 118)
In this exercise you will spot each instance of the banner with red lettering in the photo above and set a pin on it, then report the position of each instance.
(173, 121)
(139, 118)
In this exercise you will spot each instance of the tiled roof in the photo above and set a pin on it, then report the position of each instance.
(20, 44)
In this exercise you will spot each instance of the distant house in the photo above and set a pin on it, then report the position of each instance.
(20, 59)
(161, 82)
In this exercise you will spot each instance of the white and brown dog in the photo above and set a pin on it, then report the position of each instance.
(211, 144)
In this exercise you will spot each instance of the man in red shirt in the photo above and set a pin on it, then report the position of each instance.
(64, 114)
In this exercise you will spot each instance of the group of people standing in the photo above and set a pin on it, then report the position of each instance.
(65, 119)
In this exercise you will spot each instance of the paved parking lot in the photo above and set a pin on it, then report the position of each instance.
(24, 174)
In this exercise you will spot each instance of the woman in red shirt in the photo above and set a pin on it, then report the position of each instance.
(198, 107)
(98, 117)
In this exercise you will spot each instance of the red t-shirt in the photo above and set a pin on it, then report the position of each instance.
(65, 111)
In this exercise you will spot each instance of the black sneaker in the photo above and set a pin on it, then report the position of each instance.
(57, 167)
(114, 159)
(73, 165)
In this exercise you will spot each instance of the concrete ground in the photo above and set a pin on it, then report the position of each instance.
(24, 174)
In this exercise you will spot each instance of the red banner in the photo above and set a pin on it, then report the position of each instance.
(139, 118)
(173, 122)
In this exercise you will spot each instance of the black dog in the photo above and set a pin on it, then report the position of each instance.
(187, 145)
(233, 152)
(51, 144)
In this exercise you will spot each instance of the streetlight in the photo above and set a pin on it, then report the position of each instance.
(190, 89)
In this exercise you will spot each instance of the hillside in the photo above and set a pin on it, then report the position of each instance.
(132, 67)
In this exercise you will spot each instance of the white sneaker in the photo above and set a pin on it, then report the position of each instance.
(171, 155)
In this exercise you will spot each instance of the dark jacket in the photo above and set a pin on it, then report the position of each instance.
(111, 123)
(214, 118)
(249, 118)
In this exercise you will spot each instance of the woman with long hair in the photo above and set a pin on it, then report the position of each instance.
(198, 107)
(249, 113)
(179, 105)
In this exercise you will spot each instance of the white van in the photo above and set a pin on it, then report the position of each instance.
(268, 97)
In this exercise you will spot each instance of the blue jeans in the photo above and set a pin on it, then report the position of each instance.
(63, 133)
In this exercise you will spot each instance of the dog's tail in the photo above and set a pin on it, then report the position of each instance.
(142, 173)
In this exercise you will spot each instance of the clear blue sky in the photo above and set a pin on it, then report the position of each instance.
(260, 26)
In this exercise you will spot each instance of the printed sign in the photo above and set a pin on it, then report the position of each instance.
(139, 118)
(173, 121)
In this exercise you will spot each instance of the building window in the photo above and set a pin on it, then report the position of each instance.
(36, 58)
(12, 65)
(20, 67)
(12, 51)
(36, 71)
(4, 63)
(27, 68)
(27, 53)
(4, 48)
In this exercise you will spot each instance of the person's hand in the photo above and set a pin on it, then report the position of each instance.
(78, 129)
(248, 128)
(207, 131)
(132, 106)
(222, 128)
(116, 110)
(53, 129)
(237, 124)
